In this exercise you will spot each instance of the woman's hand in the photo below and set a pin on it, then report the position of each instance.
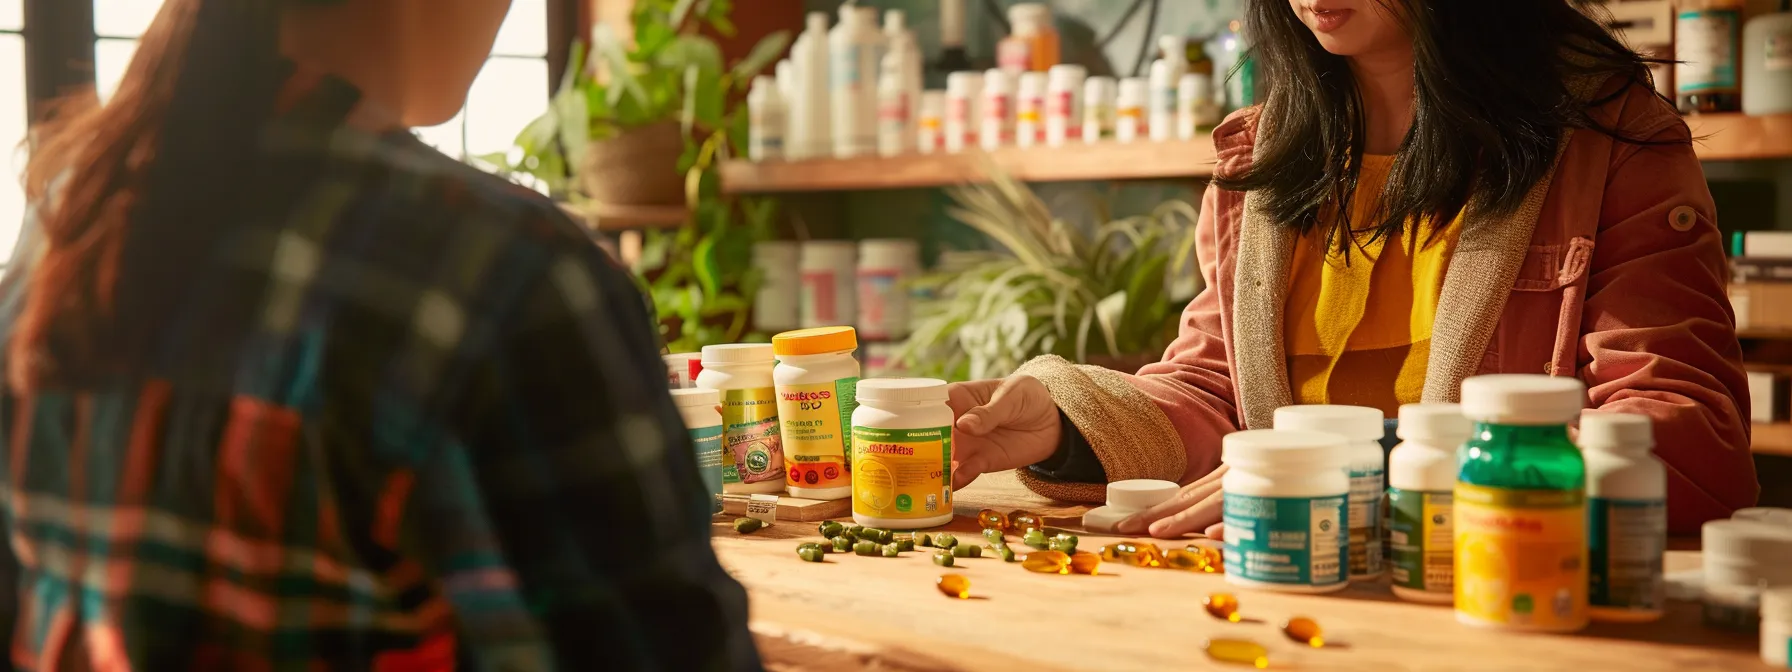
(1195, 509)
(1001, 425)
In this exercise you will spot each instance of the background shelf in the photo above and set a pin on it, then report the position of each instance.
(1735, 137)
(1102, 161)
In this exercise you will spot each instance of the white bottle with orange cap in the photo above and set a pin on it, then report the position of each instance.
(816, 379)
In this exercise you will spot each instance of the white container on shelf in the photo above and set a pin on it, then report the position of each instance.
(930, 127)
(1029, 117)
(1063, 104)
(1129, 109)
(1627, 517)
(1767, 63)
(830, 283)
(1188, 100)
(766, 122)
(856, 50)
(885, 268)
(895, 128)
(752, 445)
(1284, 485)
(964, 93)
(1162, 101)
(811, 120)
(1099, 113)
(898, 36)
(776, 306)
(998, 110)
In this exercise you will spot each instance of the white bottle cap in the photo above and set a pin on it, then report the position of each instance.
(964, 84)
(902, 390)
(1067, 73)
(1134, 90)
(691, 397)
(1616, 432)
(895, 21)
(1746, 542)
(1776, 604)
(737, 353)
(898, 253)
(827, 254)
(1442, 424)
(1523, 399)
(1764, 514)
(933, 104)
(1354, 423)
(1140, 493)
(1279, 447)
(1173, 47)
(778, 252)
(996, 81)
(818, 21)
(1032, 84)
(1098, 87)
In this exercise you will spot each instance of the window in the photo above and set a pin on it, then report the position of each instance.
(509, 93)
(12, 123)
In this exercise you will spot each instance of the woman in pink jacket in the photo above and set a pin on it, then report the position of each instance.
(1432, 190)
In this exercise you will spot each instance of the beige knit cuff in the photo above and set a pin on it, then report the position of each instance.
(1131, 436)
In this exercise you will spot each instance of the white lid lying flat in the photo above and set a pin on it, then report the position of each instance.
(1356, 423)
(1746, 541)
(1141, 493)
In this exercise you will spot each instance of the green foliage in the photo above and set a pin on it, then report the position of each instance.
(1059, 290)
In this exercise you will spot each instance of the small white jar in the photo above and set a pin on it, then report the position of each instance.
(1126, 499)
(1421, 502)
(753, 461)
(1776, 627)
(1289, 486)
(702, 412)
(817, 379)
(902, 454)
(1627, 517)
(1361, 428)
(1741, 558)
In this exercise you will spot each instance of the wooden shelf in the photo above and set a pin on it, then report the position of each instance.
(1773, 439)
(602, 217)
(1764, 334)
(1737, 137)
(1102, 161)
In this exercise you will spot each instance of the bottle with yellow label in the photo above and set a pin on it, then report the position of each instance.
(816, 378)
(902, 454)
(1520, 506)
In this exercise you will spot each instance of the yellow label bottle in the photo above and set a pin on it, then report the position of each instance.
(902, 454)
(817, 377)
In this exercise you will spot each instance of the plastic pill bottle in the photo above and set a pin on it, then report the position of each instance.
(1361, 428)
(1284, 506)
(1627, 517)
(1126, 499)
(1740, 559)
(742, 373)
(702, 411)
(1421, 485)
(1521, 508)
(1776, 627)
(902, 454)
(817, 379)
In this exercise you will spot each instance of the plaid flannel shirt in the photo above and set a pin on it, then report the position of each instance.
(412, 418)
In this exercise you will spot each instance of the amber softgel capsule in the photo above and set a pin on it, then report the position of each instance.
(992, 519)
(1223, 606)
(1238, 651)
(1047, 562)
(1304, 630)
(1021, 520)
(1084, 562)
(955, 585)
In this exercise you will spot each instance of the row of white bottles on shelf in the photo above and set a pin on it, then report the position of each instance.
(792, 118)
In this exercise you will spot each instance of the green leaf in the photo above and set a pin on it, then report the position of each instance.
(622, 82)
(763, 54)
(705, 267)
(681, 11)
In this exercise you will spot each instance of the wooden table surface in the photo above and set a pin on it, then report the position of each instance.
(856, 612)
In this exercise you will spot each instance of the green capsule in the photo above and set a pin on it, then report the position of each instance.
(942, 558)
(1065, 543)
(856, 530)
(1036, 539)
(967, 551)
(905, 545)
(748, 525)
(850, 536)
(830, 529)
(1004, 551)
(842, 544)
(882, 536)
(810, 553)
(923, 539)
(892, 550)
(865, 548)
(993, 535)
(944, 540)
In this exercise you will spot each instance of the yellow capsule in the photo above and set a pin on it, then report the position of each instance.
(1021, 520)
(1135, 553)
(1222, 606)
(992, 519)
(955, 585)
(1240, 651)
(1189, 559)
(1047, 562)
(1304, 630)
(1084, 562)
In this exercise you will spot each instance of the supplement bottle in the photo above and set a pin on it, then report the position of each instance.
(1707, 36)
(1162, 100)
(811, 121)
(766, 122)
(753, 459)
(1421, 484)
(895, 128)
(885, 267)
(702, 411)
(1098, 109)
(1740, 559)
(1776, 627)
(1627, 519)
(998, 110)
(1129, 110)
(776, 306)
(1029, 116)
(1361, 428)
(930, 126)
(682, 369)
(830, 282)
(1767, 63)
(902, 454)
(1521, 509)
(1284, 504)
(817, 379)
(855, 51)
(964, 92)
(1063, 104)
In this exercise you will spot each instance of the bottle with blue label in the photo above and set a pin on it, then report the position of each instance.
(1361, 428)
(1285, 505)
(1627, 528)
(702, 411)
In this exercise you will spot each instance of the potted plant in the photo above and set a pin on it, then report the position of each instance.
(1097, 295)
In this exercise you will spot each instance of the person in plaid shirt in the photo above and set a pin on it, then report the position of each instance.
(289, 390)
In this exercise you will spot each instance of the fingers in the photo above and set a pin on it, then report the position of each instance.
(1006, 406)
(966, 470)
(1190, 495)
(966, 396)
(1197, 518)
(1217, 532)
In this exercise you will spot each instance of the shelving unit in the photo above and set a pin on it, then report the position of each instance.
(1773, 439)
(1739, 137)
(602, 217)
(1102, 161)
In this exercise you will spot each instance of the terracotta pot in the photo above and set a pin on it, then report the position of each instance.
(1125, 363)
(638, 167)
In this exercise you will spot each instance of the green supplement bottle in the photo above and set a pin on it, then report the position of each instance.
(1521, 507)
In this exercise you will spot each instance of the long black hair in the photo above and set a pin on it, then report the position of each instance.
(1491, 101)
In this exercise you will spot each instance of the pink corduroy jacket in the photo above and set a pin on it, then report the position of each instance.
(1612, 272)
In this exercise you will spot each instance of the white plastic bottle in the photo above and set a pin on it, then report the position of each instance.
(998, 110)
(885, 267)
(786, 75)
(817, 380)
(1362, 429)
(1188, 97)
(1063, 104)
(895, 129)
(1284, 505)
(902, 454)
(898, 36)
(1129, 109)
(1208, 112)
(930, 127)
(766, 123)
(753, 447)
(964, 93)
(856, 49)
(1162, 101)
(1029, 116)
(1627, 520)
(1099, 113)
(776, 306)
(702, 413)
(830, 283)
(1776, 627)
(1421, 490)
(811, 117)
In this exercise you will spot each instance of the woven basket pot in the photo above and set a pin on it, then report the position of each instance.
(638, 167)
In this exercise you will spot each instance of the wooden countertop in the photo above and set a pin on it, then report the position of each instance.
(857, 612)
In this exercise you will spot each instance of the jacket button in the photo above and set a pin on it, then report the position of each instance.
(1549, 368)
(1683, 218)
